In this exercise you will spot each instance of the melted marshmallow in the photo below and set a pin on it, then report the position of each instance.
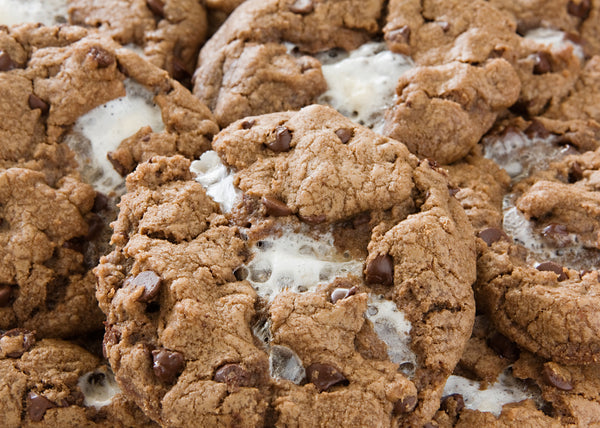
(554, 39)
(285, 364)
(362, 84)
(505, 390)
(296, 262)
(98, 388)
(102, 129)
(393, 329)
(47, 12)
(217, 179)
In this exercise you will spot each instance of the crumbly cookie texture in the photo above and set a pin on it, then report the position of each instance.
(50, 382)
(181, 315)
(169, 31)
(244, 69)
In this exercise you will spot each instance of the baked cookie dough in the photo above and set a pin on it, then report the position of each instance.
(341, 273)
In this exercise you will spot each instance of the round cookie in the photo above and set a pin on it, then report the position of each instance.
(56, 383)
(342, 274)
(67, 100)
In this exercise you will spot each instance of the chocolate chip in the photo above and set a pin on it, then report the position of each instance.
(536, 128)
(302, 6)
(112, 336)
(492, 235)
(405, 405)
(342, 293)
(76, 244)
(100, 202)
(37, 103)
(400, 35)
(167, 364)
(552, 267)
(380, 270)
(5, 295)
(555, 231)
(248, 123)
(117, 165)
(233, 375)
(453, 404)
(579, 9)
(575, 172)
(502, 346)
(542, 63)
(360, 220)
(314, 219)
(101, 56)
(324, 376)
(556, 379)
(6, 62)
(283, 138)
(28, 341)
(344, 134)
(157, 7)
(240, 273)
(150, 282)
(38, 405)
(275, 207)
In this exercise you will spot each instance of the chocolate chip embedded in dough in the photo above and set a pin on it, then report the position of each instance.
(248, 123)
(157, 7)
(400, 35)
(150, 281)
(5, 295)
(575, 172)
(233, 375)
(556, 231)
(6, 62)
(275, 207)
(117, 165)
(324, 376)
(37, 406)
(556, 379)
(553, 267)
(579, 8)
(453, 404)
(167, 364)
(283, 138)
(542, 63)
(342, 293)
(380, 270)
(492, 235)
(112, 336)
(101, 56)
(302, 6)
(405, 405)
(24, 344)
(344, 134)
(536, 128)
(36, 102)
(503, 346)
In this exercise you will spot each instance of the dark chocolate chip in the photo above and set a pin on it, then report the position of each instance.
(302, 6)
(344, 134)
(38, 405)
(400, 35)
(240, 273)
(380, 270)
(536, 128)
(542, 63)
(117, 165)
(342, 293)
(101, 56)
(37, 103)
(360, 220)
(555, 231)
(95, 226)
(502, 346)
(553, 267)
(275, 207)
(453, 404)
(283, 138)
(314, 219)
(405, 405)
(248, 123)
(150, 281)
(112, 336)
(233, 375)
(100, 202)
(167, 364)
(28, 341)
(579, 8)
(556, 379)
(76, 244)
(5, 295)
(6, 62)
(575, 172)
(157, 7)
(324, 376)
(492, 235)
(180, 72)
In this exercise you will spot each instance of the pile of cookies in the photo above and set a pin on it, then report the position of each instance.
(299, 213)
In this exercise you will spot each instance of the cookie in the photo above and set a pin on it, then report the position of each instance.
(56, 383)
(169, 32)
(69, 99)
(312, 290)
